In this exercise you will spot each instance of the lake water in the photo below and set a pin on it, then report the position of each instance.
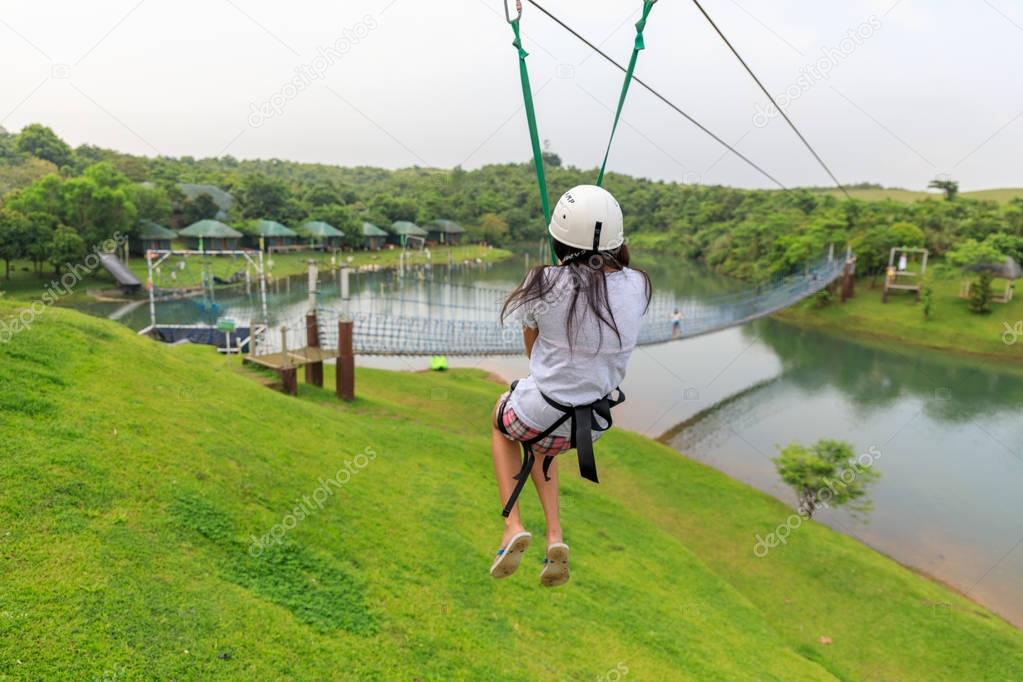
(949, 431)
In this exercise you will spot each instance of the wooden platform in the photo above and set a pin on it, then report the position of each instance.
(295, 358)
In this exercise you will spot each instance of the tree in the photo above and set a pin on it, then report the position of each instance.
(827, 474)
(201, 207)
(96, 205)
(13, 237)
(981, 294)
(949, 187)
(66, 247)
(972, 255)
(41, 227)
(551, 160)
(151, 203)
(906, 234)
(8, 147)
(43, 143)
(322, 194)
(493, 228)
(260, 196)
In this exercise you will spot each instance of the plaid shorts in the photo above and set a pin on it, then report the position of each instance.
(517, 430)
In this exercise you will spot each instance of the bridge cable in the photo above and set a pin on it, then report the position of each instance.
(770, 97)
(656, 94)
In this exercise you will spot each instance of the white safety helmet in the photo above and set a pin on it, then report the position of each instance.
(587, 217)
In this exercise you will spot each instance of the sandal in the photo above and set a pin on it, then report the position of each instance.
(509, 556)
(555, 566)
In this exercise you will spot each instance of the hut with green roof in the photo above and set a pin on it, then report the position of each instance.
(373, 237)
(150, 236)
(322, 234)
(401, 230)
(211, 235)
(444, 232)
(267, 234)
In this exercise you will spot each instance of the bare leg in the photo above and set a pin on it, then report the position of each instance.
(507, 462)
(548, 493)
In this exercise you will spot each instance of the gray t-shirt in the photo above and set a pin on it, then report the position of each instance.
(595, 364)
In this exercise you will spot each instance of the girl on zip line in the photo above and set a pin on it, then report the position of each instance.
(581, 321)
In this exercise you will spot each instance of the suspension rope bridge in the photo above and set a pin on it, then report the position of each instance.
(464, 321)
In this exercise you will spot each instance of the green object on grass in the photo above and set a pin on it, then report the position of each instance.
(439, 363)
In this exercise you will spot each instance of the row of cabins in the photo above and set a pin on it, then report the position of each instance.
(213, 235)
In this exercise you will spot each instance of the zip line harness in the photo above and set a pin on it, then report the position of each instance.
(583, 421)
(527, 98)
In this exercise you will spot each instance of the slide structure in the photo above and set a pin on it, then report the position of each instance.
(125, 277)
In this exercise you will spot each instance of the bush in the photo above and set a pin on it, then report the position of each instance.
(981, 294)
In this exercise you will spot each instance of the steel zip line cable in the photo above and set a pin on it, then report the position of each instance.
(656, 94)
(770, 97)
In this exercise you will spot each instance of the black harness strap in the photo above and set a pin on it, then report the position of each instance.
(582, 427)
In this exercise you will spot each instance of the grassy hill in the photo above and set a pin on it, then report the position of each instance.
(135, 477)
(907, 195)
(951, 327)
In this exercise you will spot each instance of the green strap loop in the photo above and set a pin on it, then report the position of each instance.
(639, 45)
(534, 135)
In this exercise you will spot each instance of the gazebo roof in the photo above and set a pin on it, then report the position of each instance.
(318, 228)
(210, 228)
(149, 230)
(1007, 269)
(371, 230)
(271, 228)
(446, 226)
(404, 227)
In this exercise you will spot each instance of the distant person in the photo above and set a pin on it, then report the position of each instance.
(676, 324)
(581, 321)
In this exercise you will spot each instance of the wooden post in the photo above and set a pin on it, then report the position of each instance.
(345, 361)
(289, 374)
(313, 370)
(848, 280)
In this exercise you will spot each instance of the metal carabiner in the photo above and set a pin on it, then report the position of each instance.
(518, 9)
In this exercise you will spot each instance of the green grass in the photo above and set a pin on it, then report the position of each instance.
(134, 476)
(952, 327)
(905, 195)
(26, 284)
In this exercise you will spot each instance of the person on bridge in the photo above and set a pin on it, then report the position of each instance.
(676, 324)
(581, 321)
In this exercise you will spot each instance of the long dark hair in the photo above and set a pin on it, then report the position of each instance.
(583, 274)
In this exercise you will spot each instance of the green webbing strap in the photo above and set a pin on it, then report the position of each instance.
(639, 45)
(534, 135)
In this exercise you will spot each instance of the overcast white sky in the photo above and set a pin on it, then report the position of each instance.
(934, 87)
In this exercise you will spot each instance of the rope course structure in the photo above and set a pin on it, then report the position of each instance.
(438, 325)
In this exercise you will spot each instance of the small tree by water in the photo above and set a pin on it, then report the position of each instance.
(827, 474)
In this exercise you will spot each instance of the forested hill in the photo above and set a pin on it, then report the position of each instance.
(743, 233)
